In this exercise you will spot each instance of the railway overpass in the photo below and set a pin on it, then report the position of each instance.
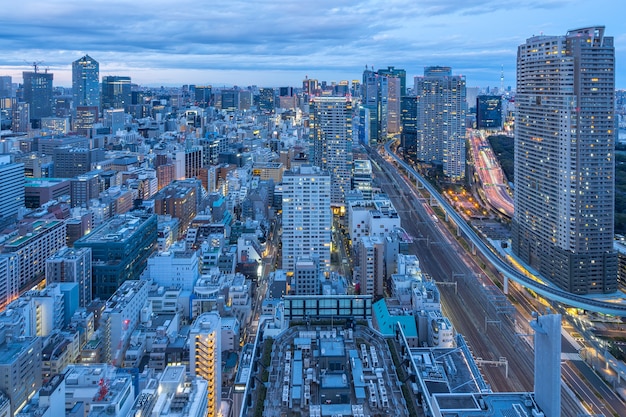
(549, 292)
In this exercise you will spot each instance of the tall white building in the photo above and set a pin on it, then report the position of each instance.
(11, 187)
(307, 216)
(441, 107)
(205, 356)
(331, 142)
(564, 159)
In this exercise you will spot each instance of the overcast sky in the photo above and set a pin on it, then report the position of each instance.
(278, 42)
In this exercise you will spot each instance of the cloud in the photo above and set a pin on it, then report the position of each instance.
(157, 39)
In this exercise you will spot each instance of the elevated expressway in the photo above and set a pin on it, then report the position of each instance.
(549, 292)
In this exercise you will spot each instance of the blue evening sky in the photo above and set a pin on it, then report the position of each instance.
(277, 43)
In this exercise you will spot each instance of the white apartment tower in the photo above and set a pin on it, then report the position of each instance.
(441, 106)
(331, 142)
(205, 356)
(307, 216)
(564, 159)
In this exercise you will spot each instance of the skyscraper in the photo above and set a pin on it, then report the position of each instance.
(331, 142)
(38, 95)
(441, 120)
(116, 92)
(564, 163)
(307, 217)
(86, 82)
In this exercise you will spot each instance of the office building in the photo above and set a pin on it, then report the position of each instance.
(381, 93)
(362, 177)
(86, 82)
(408, 121)
(11, 187)
(57, 126)
(205, 356)
(307, 216)
(489, 112)
(266, 100)
(72, 161)
(38, 95)
(120, 250)
(86, 118)
(84, 188)
(230, 100)
(331, 142)
(20, 122)
(6, 86)
(564, 159)
(203, 96)
(38, 191)
(440, 128)
(307, 277)
(116, 92)
(72, 265)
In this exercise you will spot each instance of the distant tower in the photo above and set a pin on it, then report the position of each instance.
(205, 356)
(548, 363)
(502, 80)
(116, 92)
(38, 95)
(331, 142)
(86, 82)
(564, 159)
(441, 120)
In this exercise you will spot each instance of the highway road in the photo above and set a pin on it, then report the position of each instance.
(488, 326)
(553, 293)
(490, 174)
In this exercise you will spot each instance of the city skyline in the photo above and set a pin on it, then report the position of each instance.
(271, 44)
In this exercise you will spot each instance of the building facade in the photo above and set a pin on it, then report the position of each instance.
(116, 92)
(38, 95)
(441, 111)
(564, 159)
(331, 142)
(120, 250)
(307, 216)
(86, 82)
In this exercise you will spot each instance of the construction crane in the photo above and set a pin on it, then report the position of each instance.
(35, 65)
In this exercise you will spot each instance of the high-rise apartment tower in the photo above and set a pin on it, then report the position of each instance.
(564, 159)
(441, 120)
